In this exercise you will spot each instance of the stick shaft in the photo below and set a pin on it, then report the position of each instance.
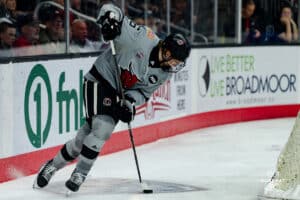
(120, 89)
(118, 76)
(134, 152)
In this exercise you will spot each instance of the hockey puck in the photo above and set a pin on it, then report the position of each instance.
(147, 191)
(146, 188)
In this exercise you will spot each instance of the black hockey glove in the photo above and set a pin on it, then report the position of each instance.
(110, 27)
(125, 110)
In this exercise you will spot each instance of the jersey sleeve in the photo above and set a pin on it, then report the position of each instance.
(131, 33)
(137, 95)
(141, 95)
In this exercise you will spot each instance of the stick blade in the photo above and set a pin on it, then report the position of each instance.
(146, 189)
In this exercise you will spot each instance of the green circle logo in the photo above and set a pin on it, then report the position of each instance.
(38, 134)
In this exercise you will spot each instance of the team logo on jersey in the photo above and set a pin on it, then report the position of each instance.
(153, 79)
(107, 101)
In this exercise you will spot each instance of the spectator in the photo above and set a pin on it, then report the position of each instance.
(3, 10)
(139, 20)
(26, 7)
(76, 5)
(53, 33)
(52, 18)
(180, 17)
(7, 37)
(90, 7)
(180, 14)
(153, 23)
(251, 24)
(160, 32)
(286, 28)
(150, 20)
(61, 2)
(79, 42)
(94, 33)
(28, 40)
(29, 31)
(155, 7)
(11, 8)
(62, 12)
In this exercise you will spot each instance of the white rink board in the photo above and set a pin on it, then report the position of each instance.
(30, 124)
(43, 105)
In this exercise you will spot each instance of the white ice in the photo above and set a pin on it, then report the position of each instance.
(233, 162)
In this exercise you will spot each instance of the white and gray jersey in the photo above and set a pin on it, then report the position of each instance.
(133, 49)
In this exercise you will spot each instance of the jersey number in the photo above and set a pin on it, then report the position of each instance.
(134, 25)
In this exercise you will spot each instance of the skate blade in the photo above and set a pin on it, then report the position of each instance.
(69, 193)
(34, 185)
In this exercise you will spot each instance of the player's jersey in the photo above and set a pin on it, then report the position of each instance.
(133, 49)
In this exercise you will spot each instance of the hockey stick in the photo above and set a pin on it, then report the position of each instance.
(144, 186)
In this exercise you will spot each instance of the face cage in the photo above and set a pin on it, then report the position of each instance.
(175, 68)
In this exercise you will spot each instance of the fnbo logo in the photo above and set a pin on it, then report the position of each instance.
(33, 102)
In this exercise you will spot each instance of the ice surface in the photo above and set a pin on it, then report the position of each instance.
(231, 162)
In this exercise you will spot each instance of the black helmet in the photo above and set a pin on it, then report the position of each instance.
(178, 45)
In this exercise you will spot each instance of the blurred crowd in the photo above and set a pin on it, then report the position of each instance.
(26, 31)
(256, 28)
(23, 31)
(260, 28)
(38, 27)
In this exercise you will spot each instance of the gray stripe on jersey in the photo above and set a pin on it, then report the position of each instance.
(95, 98)
(86, 102)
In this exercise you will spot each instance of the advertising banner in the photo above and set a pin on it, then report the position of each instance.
(48, 102)
(242, 77)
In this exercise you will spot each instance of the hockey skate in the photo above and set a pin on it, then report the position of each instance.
(75, 181)
(45, 174)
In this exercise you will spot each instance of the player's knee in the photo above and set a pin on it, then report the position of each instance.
(103, 127)
(83, 131)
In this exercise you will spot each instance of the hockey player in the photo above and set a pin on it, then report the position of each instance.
(146, 62)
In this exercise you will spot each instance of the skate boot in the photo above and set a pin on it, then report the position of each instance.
(45, 174)
(75, 181)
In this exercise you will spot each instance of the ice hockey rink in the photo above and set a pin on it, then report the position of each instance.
(229, 162)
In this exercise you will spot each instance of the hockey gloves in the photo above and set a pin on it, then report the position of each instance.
(110, 27)
(125, 109)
